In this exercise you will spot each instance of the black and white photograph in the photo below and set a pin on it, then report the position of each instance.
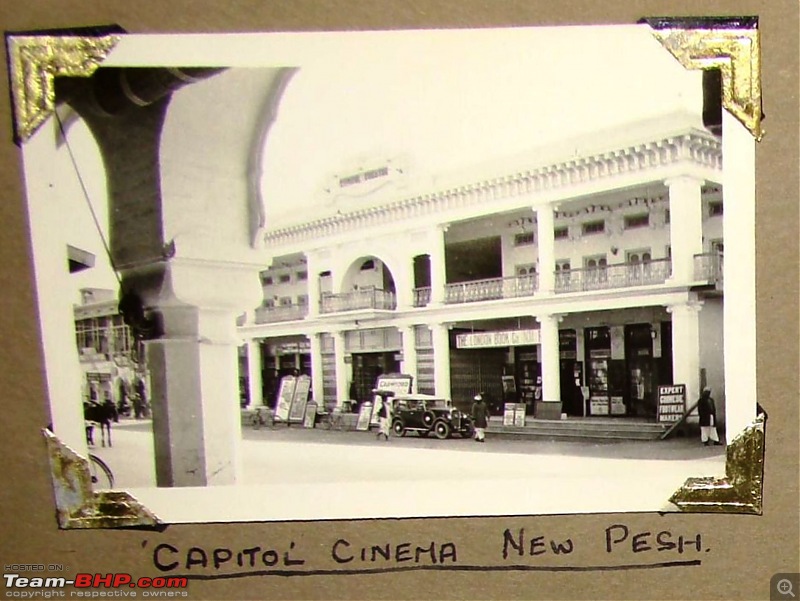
(399, 274)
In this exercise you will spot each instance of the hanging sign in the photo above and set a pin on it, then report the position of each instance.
(671, 402)
(497, 339)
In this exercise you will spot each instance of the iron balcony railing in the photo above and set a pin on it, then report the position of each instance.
(366, 298)
(491, 289)
(276, 314)
(623, 275)
(709, 267)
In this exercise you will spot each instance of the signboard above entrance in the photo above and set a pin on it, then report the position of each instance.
(497, 339)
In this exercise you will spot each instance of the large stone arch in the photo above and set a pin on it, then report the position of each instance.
(182, 149)
(398, 265)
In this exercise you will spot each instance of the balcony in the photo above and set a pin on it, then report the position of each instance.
(708, 267)
(624, 275)
(422, 296)
(366, 298)
(491, 289)
(278, 314)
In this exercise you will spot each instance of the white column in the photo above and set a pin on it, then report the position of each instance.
(409, 365)
(201, 346)
(315, 341)
(254, 383)
(342, 371)
(550, 363)
(313, 286)
(739, 324)
(55, 312)
(686, 347)
(686, 226)
(546, 246)
(438, 266)
(440, 334)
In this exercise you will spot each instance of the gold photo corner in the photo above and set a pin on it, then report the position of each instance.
(735, 51)
(77, 505)
(34, 61)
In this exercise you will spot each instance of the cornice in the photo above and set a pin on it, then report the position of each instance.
(694, 146)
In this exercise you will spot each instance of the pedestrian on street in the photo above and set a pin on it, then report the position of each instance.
(480, 415)
(707, 411)
(385, 417)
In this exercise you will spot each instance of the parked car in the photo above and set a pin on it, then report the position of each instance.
(423, 414)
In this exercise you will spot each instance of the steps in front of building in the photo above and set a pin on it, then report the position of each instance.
(586, 429)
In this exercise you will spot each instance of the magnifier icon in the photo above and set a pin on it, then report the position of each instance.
(785, 587)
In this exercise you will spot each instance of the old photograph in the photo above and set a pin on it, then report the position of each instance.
(314, 276)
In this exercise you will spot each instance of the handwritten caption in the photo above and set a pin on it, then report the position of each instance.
(517, 547)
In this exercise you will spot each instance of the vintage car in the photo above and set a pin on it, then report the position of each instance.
(423, 414)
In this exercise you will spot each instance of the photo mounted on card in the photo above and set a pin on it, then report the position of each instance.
(453, 273)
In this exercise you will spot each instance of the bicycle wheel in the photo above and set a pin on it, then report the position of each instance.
(102, 477)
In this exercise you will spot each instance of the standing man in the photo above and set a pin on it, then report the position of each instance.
(385, 416)
(480, 414)
(707, 411)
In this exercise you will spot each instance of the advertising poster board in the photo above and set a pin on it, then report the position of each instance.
(397, 383)
(299, 399)
(311, 415)
(363, 417)
(508, 413)
(519, 415)
(671, 403)
(617, 406)
(284, 401)
(599, 405)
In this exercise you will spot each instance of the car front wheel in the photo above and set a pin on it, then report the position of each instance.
(442, 430)
(398, 428)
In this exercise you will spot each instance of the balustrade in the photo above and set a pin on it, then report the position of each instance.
(623, 275)
(364, 298)
(491, 289)
(276, 314)
(709, 267)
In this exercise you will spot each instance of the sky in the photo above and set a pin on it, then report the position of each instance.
(448, 103)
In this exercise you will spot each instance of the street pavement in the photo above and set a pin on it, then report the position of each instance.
(292, 473)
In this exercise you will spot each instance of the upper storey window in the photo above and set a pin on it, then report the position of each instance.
(593, 227)
(561, 232)
(523, 239)
(715, 208)
(634, 221)
(285, 278)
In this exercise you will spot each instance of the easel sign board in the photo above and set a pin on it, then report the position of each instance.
(311, 415)
(283, 403)
(397, 383)
(509, 409)
(299, 399)
(363, 417)
(671, 403)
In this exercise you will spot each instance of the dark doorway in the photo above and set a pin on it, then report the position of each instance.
(640, 399)
(366, 369)
(474, 260)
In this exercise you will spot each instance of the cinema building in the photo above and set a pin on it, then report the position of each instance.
(587, 275)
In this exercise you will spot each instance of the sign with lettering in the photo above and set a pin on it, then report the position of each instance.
(519, 415)
(497, 339)
(397, 383)
(671, 402)
(299, 399)
(363, 416)
(509, 409)
(284, 401)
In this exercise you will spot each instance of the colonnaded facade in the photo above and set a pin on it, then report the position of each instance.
(588, 276)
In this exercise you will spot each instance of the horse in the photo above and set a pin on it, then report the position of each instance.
(101, 414)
